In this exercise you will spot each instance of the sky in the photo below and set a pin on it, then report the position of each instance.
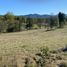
(24, 7)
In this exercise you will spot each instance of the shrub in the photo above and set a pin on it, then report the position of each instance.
(35, 26)
(45, 51)
(42, 56)
(63, 64)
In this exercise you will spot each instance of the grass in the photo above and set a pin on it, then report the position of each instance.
(23, 44)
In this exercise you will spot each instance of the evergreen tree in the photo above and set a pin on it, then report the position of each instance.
(61, 17)
(29, 23)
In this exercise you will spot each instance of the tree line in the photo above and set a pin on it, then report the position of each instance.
(11, 23)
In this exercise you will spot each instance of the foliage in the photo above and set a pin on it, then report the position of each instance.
(53, 22)
(63, 64)
(44, 54)
(29, 23)
(11, 23)
(61, 17)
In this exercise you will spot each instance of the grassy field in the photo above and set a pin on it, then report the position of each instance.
(15, 46)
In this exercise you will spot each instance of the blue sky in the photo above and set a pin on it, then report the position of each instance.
(23, 7)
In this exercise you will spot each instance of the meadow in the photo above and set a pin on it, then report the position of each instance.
(15, 47)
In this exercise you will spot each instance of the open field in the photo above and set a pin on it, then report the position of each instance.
(22, 44)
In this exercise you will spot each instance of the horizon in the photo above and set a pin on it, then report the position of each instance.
(25, 7)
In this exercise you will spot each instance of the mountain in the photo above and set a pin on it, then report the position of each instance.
(37, 16)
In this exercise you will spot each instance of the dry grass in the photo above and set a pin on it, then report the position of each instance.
(28, 42)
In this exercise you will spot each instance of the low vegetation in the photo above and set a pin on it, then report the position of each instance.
(34, 48)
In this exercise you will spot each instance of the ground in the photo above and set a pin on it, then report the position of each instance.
(22, 44)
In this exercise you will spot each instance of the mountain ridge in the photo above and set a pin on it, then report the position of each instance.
(37, 16)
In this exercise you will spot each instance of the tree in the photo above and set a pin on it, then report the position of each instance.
(21, 21)
(61, 17)
(39, 22)
(29, 23)
(3, 25)
(9, 18)
(53, 21)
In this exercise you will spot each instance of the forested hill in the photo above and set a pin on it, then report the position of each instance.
(37, 16)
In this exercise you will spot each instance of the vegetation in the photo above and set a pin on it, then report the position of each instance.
(11, 23)
(61, 17)
(33, 48)
(63, 64)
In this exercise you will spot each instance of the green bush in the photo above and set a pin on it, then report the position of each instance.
(45, 51)
(43, 56)
(35, 26)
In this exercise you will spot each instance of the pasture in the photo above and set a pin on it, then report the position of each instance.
(14, 47)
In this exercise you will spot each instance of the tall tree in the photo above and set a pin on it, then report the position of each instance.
(61, 17)
(29, 23)
(53, 21)
(39, 22)
(21, 20)
(9, 18)
(3, 24)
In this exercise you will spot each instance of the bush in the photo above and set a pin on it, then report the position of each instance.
(63, 64)
(42, 56)
(35, 26)
(45, 51)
